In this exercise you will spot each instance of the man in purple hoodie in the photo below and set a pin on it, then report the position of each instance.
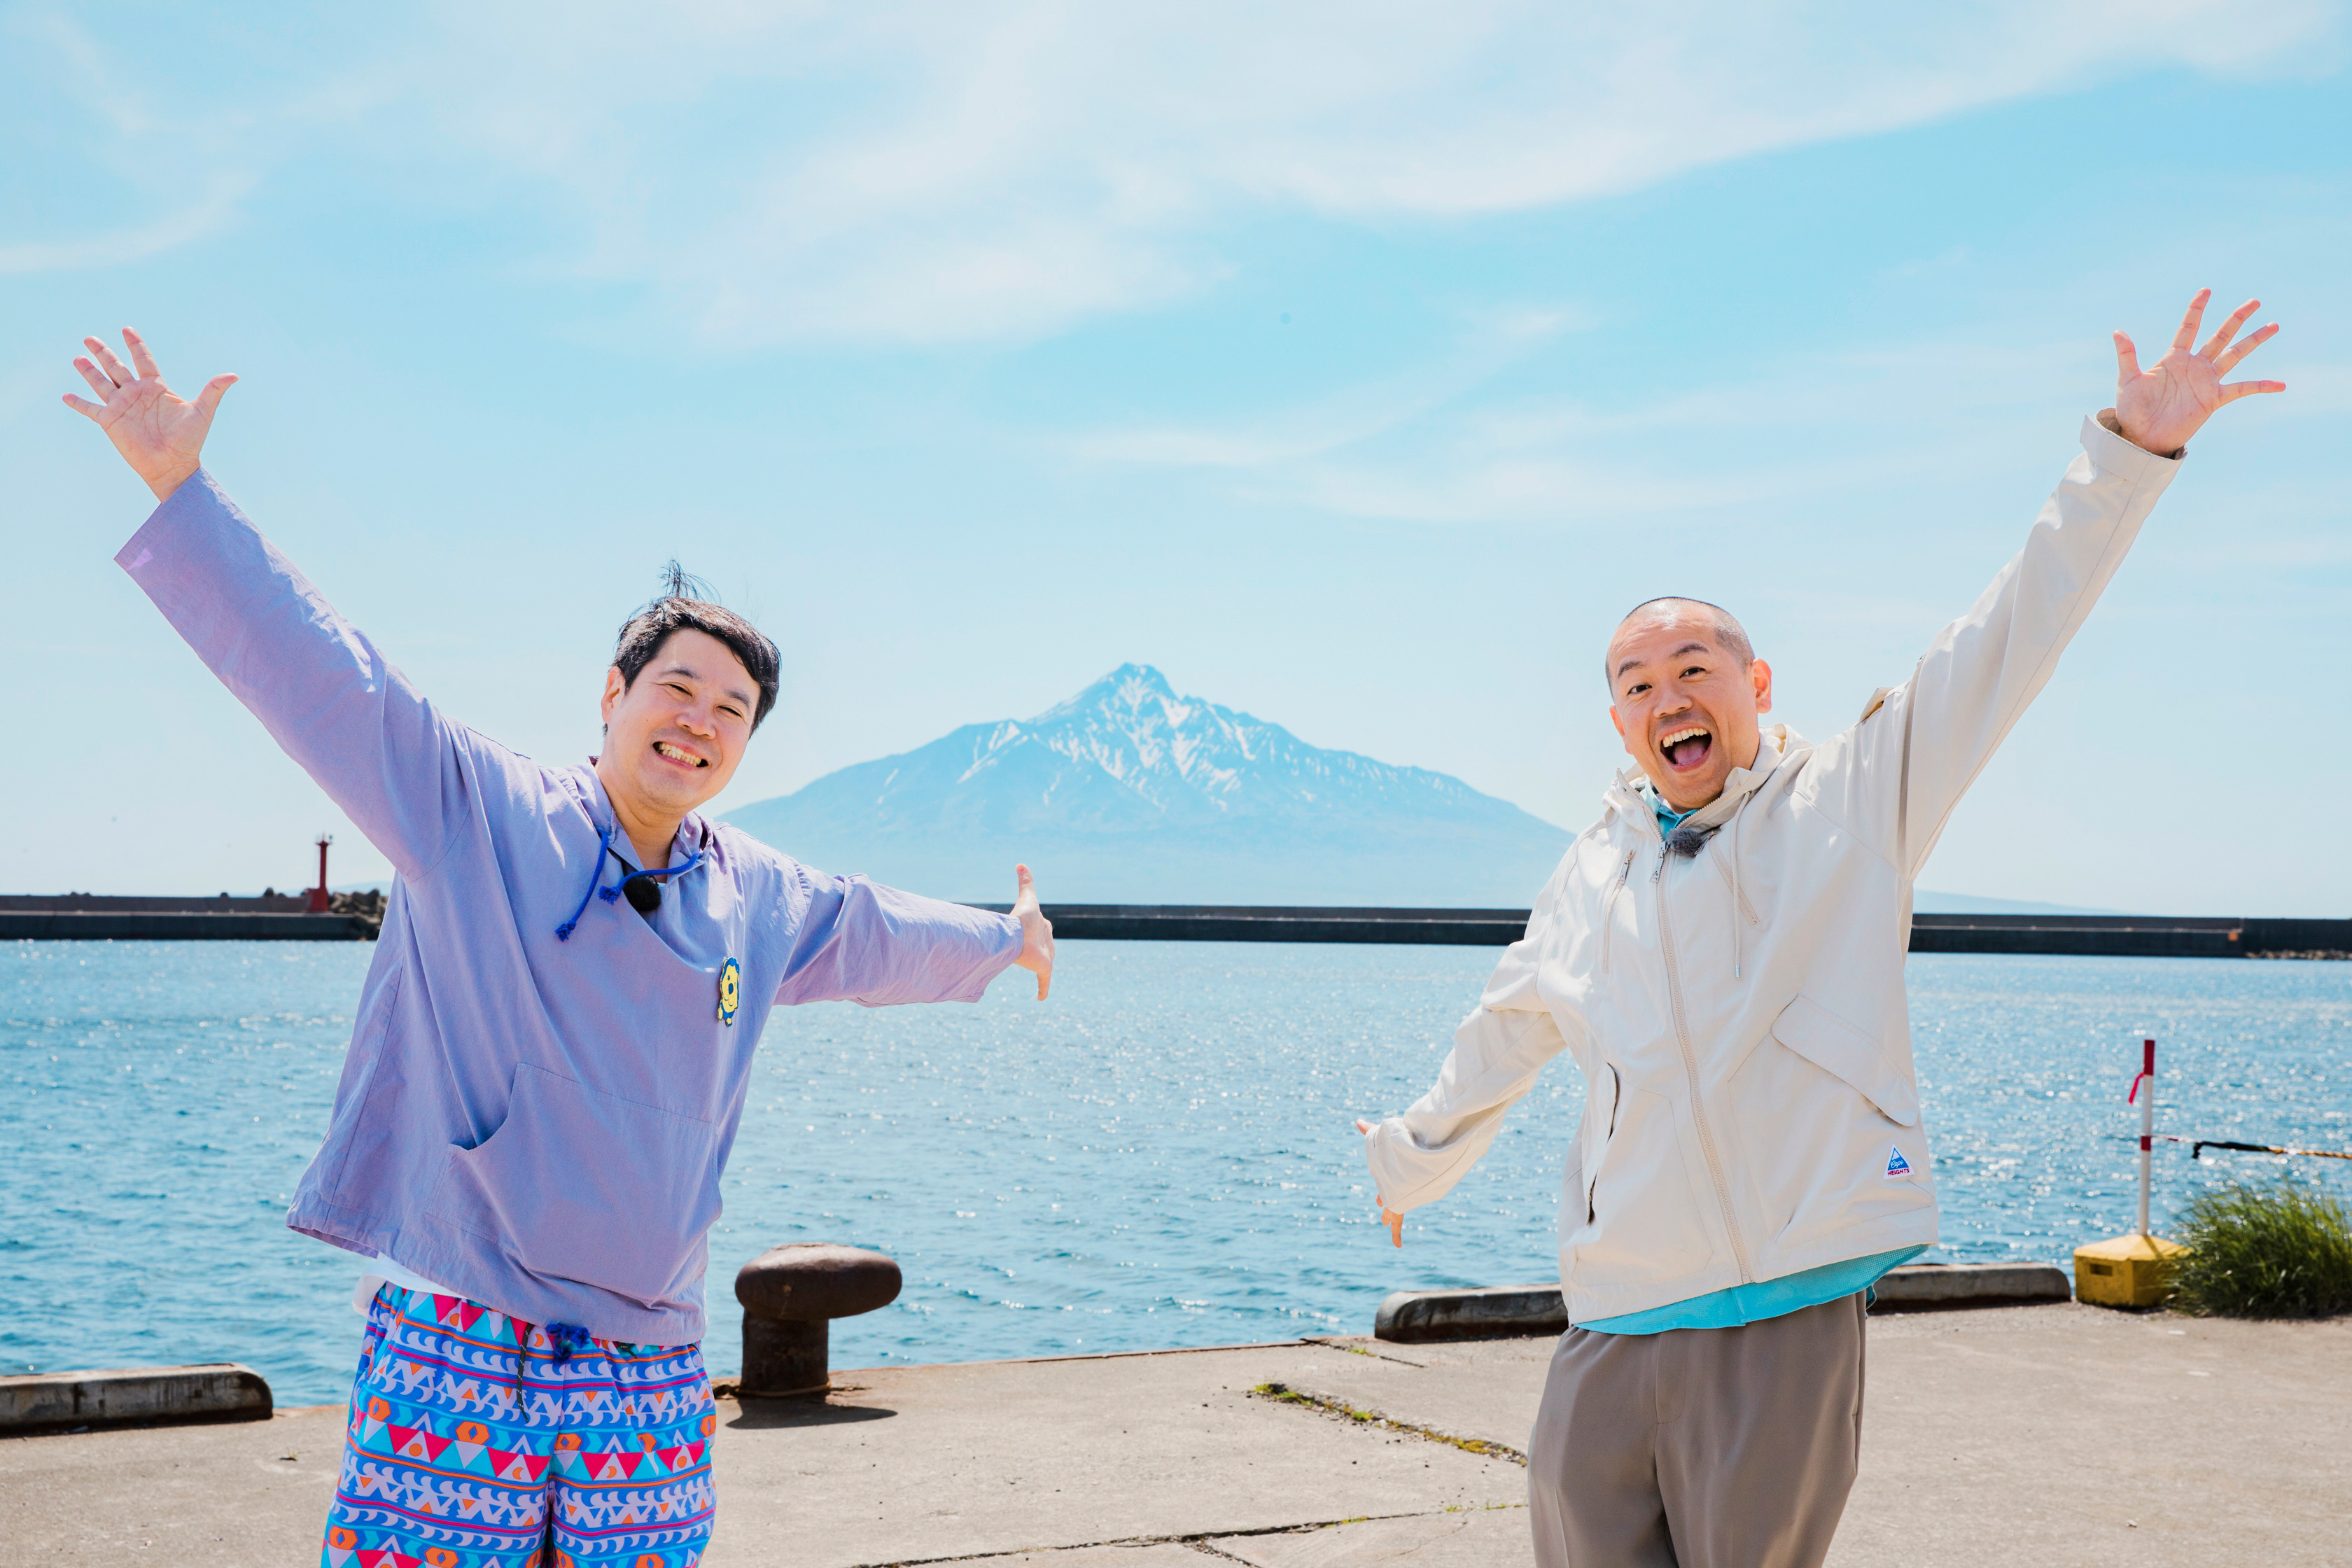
(553, 1042)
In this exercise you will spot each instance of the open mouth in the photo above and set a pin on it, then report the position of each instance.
(679, 754)
(1686, 748)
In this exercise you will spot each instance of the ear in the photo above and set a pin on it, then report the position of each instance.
(614, 690)
(1619, 720)
(1761, 674)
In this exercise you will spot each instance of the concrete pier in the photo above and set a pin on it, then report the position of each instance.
(269, 917)
(2121, 936)
(2047, 1434)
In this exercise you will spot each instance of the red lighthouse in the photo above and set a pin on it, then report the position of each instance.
(318, 893)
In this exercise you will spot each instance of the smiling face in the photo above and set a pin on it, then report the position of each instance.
(673, 736)
(1685, 699)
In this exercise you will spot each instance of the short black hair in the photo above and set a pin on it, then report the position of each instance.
(686, 603)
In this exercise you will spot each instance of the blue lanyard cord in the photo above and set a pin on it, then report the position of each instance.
(603, 846)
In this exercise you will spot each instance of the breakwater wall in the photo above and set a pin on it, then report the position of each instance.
(357, 917)
(269, 917)
(2140, 936)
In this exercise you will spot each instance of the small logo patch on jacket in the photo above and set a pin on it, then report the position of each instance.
(1898, 1167)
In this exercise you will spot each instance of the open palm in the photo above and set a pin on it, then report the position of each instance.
(159, 433)
(2161, 407)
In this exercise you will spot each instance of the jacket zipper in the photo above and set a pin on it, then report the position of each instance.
(1690, 1069)
(1609, 909)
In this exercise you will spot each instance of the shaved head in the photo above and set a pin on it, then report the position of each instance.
(1685, 689)
(1729, 635)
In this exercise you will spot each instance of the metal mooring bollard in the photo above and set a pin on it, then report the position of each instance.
(790, 1295)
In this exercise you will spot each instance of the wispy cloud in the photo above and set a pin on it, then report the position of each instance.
(1345, 418)
(923, 172)
(1433, 444)
(121, 247)
(928, 171)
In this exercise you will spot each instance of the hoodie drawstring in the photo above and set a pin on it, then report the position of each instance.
(1736, 922)
(564, 1340)
(1688, 842)
(603, 847)
(612, 893)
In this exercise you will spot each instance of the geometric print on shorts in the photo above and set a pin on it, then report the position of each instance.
(476, 1441)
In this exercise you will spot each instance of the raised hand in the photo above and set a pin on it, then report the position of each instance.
(2160, 409)
(1036, 931)
(159, 433)
(1390, 1217)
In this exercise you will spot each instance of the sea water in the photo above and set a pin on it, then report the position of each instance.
(1162, 1155)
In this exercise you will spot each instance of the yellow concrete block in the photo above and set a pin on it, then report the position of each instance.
(2125, 1271)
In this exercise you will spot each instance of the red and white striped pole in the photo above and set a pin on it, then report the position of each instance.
(2146, 1080)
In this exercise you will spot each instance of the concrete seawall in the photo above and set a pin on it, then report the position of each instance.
(85, 917)
(137, 1395)
(137, 926)
(269, 917)
(2138, 936)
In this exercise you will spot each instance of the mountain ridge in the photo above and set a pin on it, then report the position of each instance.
(1130, 792)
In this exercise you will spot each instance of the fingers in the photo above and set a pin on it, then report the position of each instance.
(140, 357)
(2126, 359)
(1396, 1226)
(209, 398)
(84, 406)
(114, 367)
(1025, 887)
(2229, 361)
(1045, 980)
(1362, 1125)
(2188, 332)
(2229, 329)
(2237, 389)
(98, 380)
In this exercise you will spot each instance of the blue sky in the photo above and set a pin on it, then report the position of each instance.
(1357, 367)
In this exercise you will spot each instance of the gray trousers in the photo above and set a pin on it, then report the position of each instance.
(1699, 1447)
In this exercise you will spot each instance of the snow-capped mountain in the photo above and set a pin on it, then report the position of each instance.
(1129, 792)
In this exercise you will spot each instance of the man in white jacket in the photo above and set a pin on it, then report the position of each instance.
(1722, 954)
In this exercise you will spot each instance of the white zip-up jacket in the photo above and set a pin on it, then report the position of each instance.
(1738, 1015)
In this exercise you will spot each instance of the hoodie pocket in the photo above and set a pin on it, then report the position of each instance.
(1596, 1148)
(588, 1187)
(1848, 1054)
(1645, 1222)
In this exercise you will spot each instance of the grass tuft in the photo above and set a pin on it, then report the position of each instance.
(2278, 1250)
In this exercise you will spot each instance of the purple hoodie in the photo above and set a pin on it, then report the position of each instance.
(538, 1124)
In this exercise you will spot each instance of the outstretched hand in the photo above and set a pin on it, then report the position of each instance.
(1390, 1217)
(2161, 407)
(159, 433)
(1037, 932)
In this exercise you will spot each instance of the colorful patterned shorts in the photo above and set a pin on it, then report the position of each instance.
(472, 1449)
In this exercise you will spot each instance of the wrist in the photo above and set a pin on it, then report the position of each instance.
(170, 479)
(2113, 420)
